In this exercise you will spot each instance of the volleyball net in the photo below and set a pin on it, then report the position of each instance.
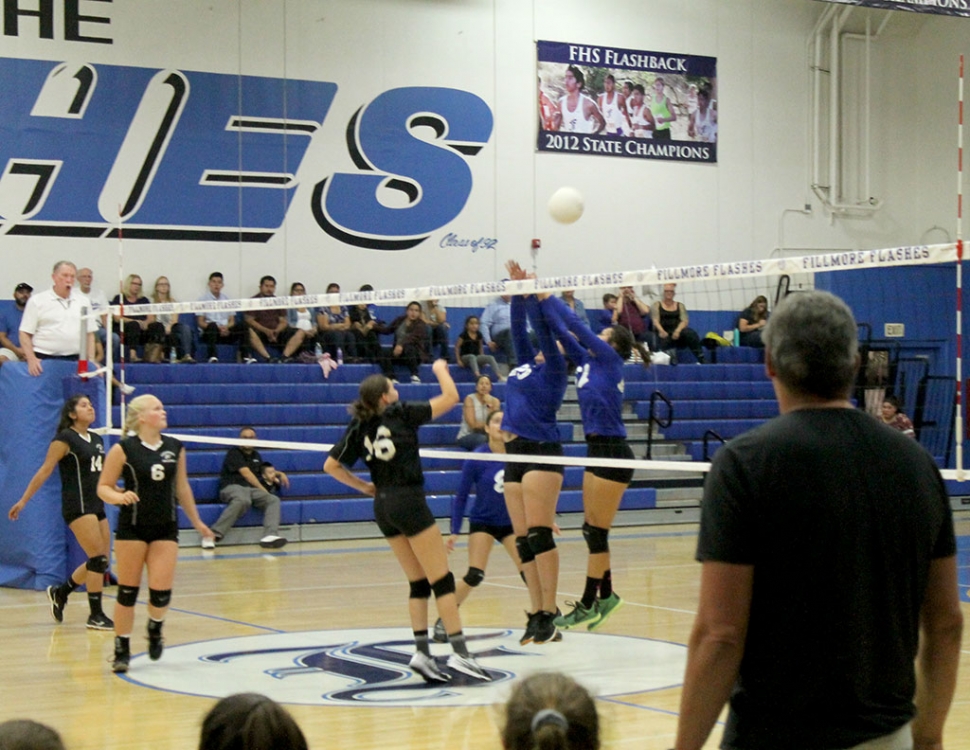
(905, 300)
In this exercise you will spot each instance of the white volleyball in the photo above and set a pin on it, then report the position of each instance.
(566, 205)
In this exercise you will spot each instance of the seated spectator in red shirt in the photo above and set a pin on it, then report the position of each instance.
(269, 326)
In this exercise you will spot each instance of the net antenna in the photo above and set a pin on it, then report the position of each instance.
(959, 282)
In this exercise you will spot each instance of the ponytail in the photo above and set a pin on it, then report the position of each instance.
(624, 343)
(368, 403)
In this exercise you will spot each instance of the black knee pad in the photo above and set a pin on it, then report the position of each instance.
(474, 576)
(597, 539)
(97, 564)
(444, 585)
(158, 598)
(127, 595)
(540, 539)
(526, 555)
(421, 589)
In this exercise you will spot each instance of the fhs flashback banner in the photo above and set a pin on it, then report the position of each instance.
(628, 103)
(942, 7)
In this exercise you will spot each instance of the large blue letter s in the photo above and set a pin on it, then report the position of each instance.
(433, 181)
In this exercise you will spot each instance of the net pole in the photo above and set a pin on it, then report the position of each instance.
(959, 291)
(121, 312)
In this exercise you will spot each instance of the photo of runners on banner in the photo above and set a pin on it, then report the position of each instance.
(630, 103)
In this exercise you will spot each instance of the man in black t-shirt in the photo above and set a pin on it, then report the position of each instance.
(240, 488)
(828, 561)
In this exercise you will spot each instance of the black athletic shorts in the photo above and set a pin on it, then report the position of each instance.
(72, 512)
(161, 532)
(598, 446)
(402, 510)
(498, 532)
(514, 471)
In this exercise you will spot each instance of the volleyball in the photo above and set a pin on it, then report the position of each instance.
(566, 205)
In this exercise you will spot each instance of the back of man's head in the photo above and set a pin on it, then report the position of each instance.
(812, 344)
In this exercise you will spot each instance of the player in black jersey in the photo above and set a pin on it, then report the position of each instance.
(152, 466)
(384, 432)
(79, 454)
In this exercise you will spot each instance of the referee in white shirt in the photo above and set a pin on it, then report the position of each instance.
(51, 325)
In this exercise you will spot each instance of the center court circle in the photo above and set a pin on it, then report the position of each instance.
(369, 667)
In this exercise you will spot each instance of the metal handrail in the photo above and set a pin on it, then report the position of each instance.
(654, 419)
(711, 434)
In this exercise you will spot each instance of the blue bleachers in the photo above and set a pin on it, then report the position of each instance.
(294, 403)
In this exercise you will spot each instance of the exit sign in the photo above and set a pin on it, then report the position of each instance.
(895, 330)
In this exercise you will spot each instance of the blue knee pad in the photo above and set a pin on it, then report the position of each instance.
(158, 598)
(526, 555)
(444, 585)
(97, 564)
(540, 539)
(127, 595)
(420, 589)
(597, 539)
(474, 576)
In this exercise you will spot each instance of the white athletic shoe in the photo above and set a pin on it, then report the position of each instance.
(469, 666)
(249, 360)
(127, 389)
(428, 668)
(415, 379)
(208, 542)
(272, 542)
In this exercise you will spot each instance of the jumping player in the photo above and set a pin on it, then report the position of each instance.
(384, 432)
(599, 387)
(79, 455)
(152, 466)
(488, 518)
(534, 393)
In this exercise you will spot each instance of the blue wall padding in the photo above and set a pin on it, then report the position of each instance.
(34, 550)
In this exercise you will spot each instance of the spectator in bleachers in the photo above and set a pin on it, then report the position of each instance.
(269, 327)
(269, 477)
(603, 318)
(240, 488)
(365, 325)
(569, 297)
(138, 329)
(892, 416)
(25, 734)
(435, 316)
(751, 322)
(496, 328)
(303, 318)
(633, 313)
(550, 711)
(333, 323)
(250, 721)
(178, 336)
(474, 414)
(221, 325)
(99, 301)
(10, 317)
(470, 349)
(670, 320)
(410, 347)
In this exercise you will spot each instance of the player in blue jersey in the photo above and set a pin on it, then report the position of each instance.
(79, 454)
(384, 433)
(599, 387)
(534, 392)
(488, 518)
(152, 468)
